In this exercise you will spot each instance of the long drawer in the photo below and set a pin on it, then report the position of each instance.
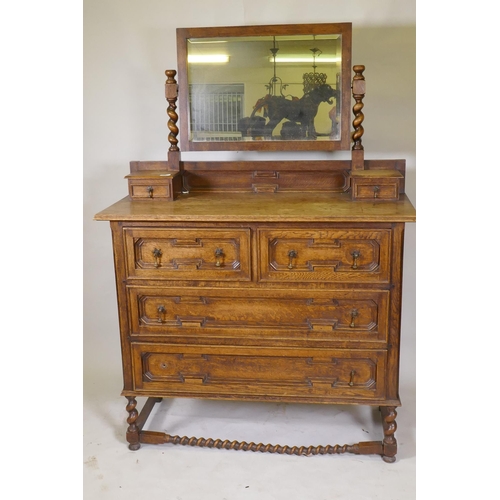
(264, 373)
(188, 254)
(324, 255)
(255, 315)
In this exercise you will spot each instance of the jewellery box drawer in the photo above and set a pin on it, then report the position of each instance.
(188, 254)
(149, 190)
(154, 185)
(376, 185)
(325, 255)
(260, 373)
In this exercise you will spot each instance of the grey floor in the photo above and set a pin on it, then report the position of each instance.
(169, 472)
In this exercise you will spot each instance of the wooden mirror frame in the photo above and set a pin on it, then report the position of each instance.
(343, 29)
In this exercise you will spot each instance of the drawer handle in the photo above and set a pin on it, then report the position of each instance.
(157, 253)
(150, 191)
(219, 255)
(161, 313)
(355, 256)
(376, 190)
(292, 254)
(351, 380)
(354, 314)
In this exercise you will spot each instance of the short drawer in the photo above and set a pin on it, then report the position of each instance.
(188, 254)
(384, 190)
(260, 373)
(324, 255)
(376, 185)
(255, 317)
(151, 190)
(154, 185)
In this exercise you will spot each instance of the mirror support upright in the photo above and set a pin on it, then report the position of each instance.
(358, 93)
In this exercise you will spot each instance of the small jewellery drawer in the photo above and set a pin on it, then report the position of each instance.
(154, 185)
(376, 191)
(188, 254)
(152, 190)
(244, 317)
(376, 185)
(325, 255)
(264, 373)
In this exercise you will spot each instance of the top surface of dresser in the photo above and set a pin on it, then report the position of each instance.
(261, 207)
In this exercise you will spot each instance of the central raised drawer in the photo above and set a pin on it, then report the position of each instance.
(263, 373)
(324, 255)
(188, 254)
(243, 316)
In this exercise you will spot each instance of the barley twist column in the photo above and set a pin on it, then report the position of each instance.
(171, 96)
(358, 93)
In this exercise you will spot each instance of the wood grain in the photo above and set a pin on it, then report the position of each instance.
(261, 207)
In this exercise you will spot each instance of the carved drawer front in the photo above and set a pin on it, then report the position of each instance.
(257, 316)
(188, 254)
(261, 373)
(329, 255)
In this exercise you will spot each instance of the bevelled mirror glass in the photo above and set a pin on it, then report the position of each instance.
(270, 88)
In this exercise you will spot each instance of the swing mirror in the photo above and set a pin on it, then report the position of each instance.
(268, 88)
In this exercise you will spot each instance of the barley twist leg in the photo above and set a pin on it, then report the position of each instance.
(390, 444)
(133, 430)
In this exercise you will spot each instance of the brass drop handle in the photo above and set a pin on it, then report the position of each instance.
(354, 314)
(292, 254)
(161, 312)
(219, 254)
(355, 256)
(157, 253)
(351, 380)
(376, 190)
(150, 191)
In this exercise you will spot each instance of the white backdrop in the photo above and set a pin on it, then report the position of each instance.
(128, 45)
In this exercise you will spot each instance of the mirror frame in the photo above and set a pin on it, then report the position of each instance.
(344, 29)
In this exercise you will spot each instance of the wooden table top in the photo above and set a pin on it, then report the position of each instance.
(261, 207)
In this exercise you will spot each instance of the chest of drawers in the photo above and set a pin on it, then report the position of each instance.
(260, 297)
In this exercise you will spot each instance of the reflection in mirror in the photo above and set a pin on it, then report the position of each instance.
(265, 88)
(253, 89)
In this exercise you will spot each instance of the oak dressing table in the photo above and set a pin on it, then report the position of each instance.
(262, 280)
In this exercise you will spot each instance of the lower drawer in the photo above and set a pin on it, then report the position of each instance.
(317, 375)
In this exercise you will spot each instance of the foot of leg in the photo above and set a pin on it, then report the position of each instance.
(389, 423)
(133, 430)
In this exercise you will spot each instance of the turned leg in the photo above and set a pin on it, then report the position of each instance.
(133, 429)
(390, 444)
